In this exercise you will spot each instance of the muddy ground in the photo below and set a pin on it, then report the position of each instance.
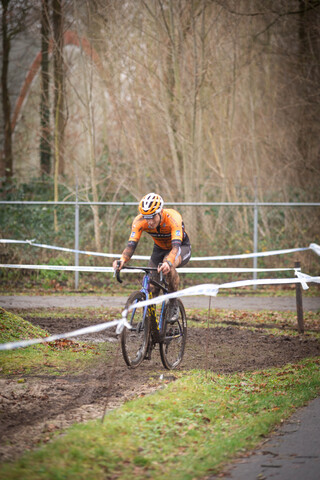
(33, 407)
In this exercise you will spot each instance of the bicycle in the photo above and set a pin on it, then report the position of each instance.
(149, 328)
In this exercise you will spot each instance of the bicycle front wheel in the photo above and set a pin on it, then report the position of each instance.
(134, 341)
(174, 342)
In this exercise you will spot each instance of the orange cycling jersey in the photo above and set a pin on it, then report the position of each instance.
(171, 229)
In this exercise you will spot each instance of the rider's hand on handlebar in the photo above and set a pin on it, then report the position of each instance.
(118, 264)
(164, 268)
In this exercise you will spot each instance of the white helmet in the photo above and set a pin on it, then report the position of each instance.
(150, 205)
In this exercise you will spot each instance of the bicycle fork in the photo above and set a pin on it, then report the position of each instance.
(156, 323)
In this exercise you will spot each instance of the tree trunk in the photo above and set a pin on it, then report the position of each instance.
(91, 139)
(59, 100)
(309, 49)
(45, 137)
(6, 167)
(57, 21)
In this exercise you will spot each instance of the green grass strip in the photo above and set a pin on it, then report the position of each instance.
(43, 358)
(14, 327)
(187, 430)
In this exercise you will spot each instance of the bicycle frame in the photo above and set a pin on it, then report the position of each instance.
(151, 309)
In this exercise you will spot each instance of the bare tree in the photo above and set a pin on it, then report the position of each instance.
(84, 91)
(308, 61)
(59, 97)
(14, 20)
(7, 162)
(45, 135)
(59, 87)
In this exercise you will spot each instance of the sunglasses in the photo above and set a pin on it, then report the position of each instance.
(150, 217)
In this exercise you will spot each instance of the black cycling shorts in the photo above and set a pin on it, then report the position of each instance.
(158, 255)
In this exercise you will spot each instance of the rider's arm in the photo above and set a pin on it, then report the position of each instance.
(176, 238)
(128, 252)
(171, 258)
(174, 252)
(126, 255)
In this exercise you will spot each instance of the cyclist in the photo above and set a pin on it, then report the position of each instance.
(171, 248)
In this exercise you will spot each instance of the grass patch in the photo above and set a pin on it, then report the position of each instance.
(277, 323)
(14, 328)
(188, 430)
(55, 358)
(90, 314)
(48, 360)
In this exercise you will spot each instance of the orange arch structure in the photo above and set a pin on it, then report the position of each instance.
(70, 38)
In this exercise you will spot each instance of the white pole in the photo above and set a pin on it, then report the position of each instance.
(76, 239)
(255, 230)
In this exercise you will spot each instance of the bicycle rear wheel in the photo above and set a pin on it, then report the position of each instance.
(134, 341)
(174, 342)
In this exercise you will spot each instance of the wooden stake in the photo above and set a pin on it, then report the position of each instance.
(299, 303)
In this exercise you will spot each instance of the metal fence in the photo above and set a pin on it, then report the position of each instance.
(254, 205)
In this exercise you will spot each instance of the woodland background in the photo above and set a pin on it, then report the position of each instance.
(199, 100)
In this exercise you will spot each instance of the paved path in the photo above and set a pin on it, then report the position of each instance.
(232, 303)
(291, 453)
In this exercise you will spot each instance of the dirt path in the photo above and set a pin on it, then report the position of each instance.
(33, 407)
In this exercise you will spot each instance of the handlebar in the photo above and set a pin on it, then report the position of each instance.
(145, 269)
(161, 275)
(117, 272)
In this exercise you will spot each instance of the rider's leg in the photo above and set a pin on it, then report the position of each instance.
(157, 257)
(155, 276)
(174, 280)
(173, 277)
(181, 259)
(173, 286)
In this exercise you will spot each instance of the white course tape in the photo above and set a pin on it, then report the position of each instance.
(213, 289)
(230, 270)
(304, 278)
(313, 246)
(205, 289)
(71, 250)
(72, 268)
(59, 268)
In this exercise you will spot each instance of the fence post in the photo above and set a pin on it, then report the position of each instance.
(299, 303)
(255, 231)
(76, 239)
